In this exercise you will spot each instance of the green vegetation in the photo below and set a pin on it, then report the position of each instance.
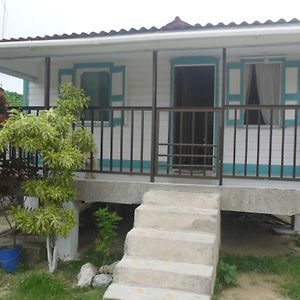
(107, 223)
(34, 283)
(62, 151)
(288, 267)
(13, 98)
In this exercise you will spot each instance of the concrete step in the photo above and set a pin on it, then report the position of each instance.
(128, 292)
(171, 217)
(172, 245)
(182, 199)
(164, 274)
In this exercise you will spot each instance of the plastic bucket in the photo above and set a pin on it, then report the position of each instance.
(10, 257)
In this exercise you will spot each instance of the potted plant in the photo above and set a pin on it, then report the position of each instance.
(13, 172)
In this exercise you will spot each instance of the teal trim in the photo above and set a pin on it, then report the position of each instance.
(119, 69)
(136, 165)
(25, 101)
(263, 170)
(93, 65)
(235, 97)
(241, 97)
(62, 72)
(196, 60)
(291, 96)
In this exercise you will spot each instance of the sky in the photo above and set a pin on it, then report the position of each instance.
(23, 18)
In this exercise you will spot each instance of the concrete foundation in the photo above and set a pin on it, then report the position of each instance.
(279, 198)
(297, 224)
(67, 248)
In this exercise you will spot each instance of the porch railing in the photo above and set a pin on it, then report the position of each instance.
(259, 141)
(262, 142)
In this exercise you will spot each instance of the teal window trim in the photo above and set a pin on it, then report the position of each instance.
(92, 65)
(25, 101)
(241, 97)
(62, 72)
(118, 69)
(196, 61)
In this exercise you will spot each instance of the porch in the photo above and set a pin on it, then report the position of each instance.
(160, 142)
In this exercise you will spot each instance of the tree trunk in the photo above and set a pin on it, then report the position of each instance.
(51, 253)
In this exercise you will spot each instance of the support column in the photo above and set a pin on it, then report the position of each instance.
(67, 247)
(47, 64)
(153, 126)
(296, 224)
(222, 118)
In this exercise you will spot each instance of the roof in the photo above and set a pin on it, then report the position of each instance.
(176, 25)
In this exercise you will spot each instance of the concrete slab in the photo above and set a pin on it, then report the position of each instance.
(257, 196)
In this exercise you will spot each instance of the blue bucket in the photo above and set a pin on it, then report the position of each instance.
(10, 257)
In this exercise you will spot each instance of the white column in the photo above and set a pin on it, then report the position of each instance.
(67, 247)
(31, 202)
(297, 224)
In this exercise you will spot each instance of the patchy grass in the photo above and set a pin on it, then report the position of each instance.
(288, 267)
(35, 283)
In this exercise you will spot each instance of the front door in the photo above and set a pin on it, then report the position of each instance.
(194, 87)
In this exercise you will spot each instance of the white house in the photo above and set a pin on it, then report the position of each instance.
(217, 103)
(188, 101)
(116, 70)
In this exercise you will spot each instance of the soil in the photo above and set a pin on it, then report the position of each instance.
(252, 234)
(253, 286)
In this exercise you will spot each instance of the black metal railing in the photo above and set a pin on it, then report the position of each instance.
(262, 142)
(259, 141)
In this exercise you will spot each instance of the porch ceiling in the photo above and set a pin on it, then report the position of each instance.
(29, 67)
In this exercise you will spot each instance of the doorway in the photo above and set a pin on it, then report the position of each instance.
(194, 86)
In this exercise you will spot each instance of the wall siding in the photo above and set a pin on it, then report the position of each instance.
(139, 93)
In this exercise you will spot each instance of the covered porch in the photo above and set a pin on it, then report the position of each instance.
(174, 110)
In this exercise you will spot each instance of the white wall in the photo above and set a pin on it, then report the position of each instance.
(139, 93)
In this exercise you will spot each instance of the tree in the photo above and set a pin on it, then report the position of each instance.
(13, 98)
(62, 151)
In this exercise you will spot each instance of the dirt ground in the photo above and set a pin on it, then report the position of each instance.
(251, 234)
(254, 286)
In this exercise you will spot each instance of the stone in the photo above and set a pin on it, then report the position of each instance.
(101, 280)
(86, 275)
(107, 269)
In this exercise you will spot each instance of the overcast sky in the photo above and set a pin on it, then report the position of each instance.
(23, 18)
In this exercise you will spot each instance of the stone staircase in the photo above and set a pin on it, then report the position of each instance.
(172, 251)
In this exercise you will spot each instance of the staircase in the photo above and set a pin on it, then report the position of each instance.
(172, 251)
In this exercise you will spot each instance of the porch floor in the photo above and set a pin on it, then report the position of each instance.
(227, 182)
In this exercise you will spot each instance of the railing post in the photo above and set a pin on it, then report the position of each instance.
(47, 64)
(222, 118)
(153, 121)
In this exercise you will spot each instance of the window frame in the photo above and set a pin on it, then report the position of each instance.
(262, 61)
(81, 71)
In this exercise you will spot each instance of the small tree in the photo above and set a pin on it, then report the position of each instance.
(62, 151)
(107, 223)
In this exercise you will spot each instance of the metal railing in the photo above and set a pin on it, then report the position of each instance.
(259, 141)
(263, 142)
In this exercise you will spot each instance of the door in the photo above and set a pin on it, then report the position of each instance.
(194, 87)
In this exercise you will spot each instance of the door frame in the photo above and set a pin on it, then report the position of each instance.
(196, 61)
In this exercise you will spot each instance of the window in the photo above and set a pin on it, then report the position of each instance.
(262, 87)
(96, 85)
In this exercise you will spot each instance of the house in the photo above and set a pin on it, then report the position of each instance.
(217, 103)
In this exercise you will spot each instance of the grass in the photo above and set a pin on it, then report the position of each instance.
(288, 267)
(35, 283)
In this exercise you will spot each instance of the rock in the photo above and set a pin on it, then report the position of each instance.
(86, 275)
(101, 280)
(107, 269)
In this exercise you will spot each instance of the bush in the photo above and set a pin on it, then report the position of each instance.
(107, 223)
